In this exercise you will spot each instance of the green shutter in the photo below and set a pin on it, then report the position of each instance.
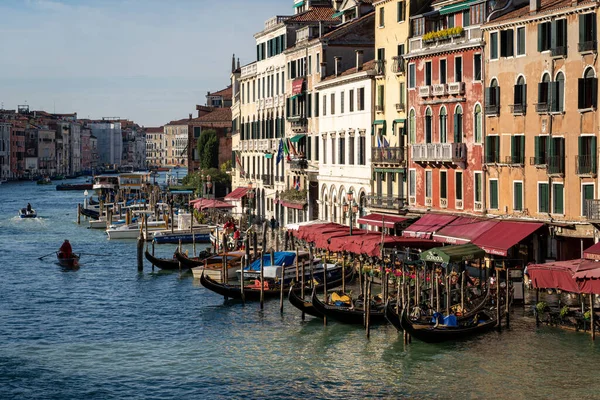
(558, 197)
(497, 148)
(540, 36)
(518, 196)
(494, 195)
(553, 34)
(513, 149)
(488, 96)
(524, 94)
(309, 105)
(543, 199)
(593, 154)
(488, 151)
(536, 141)
(594, 93)
(497, 97)
(522, 153)
(582, 28)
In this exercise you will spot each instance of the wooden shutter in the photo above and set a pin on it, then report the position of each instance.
(513, 149)
(543, 92)
(540, 36)
(553, 34)
(488, 96)
(497, 148)
(593, 153)
(536, 145)
(593, 89)
(518, 196)
(582, 28)
(309, 105)
(553, 95)
(558, 199)
(494, 195)
(543, 200)
(497, 97)
(488, 150)
(510, 43)
(522, 149)
(517, 94)
(524, 94)
(581, 93)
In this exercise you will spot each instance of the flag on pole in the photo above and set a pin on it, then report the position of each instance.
(297, 183)
(280, 152)
(239, 163)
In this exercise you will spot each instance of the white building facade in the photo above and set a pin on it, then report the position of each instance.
(110, 142)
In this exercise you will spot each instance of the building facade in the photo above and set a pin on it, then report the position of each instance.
(154, 149)
(110, 141)
(5, 151)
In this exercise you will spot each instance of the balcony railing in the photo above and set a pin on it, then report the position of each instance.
(591, 45)
(542, 107)
(492, 110)
(556, 165)
(386, 202)
(586, 165)
(469, 34)
(398, 65)
(439, 89)
(379, 107)
(539, 161)
(400, 106)
(298, 164)
(456, 88)
(267, 180)
(380, 67)
(439, 152)
(515, 159)
(518, 109)
(591, 209)
(559, 51)
(424, 91)
(299, 124)
(492, 158)
(389, 155)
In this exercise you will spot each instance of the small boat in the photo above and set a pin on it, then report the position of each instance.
(213, 265)
(200, 235)
(24, 213)
(190, 262)
(132, 231)
(44, 181)
(252, 292)
(70, 186)
(353, 314)
(301, 304)
(480, 323)
(70, 262)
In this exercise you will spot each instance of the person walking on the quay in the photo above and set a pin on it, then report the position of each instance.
(273, 223)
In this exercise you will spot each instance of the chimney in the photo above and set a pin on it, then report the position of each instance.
(320, 28)
(337, 65)
(238, 63)
(190, 116)
(323, 70)
(359, 59)
(233, 63)
(534, 6)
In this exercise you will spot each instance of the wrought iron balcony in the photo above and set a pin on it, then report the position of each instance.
(386, 202)
(542, 108)
(439, 152)
(398, 65)
(299, 124)
(492, 158)
(591, 210)
(379, 107)
(586, 165)
(591, 45)
(556, 165)
(515, 159)
(298, 164)
(559, 51)
(388, 155)
(400, 107)
(492, 109)
(539, 161)
(518, 109)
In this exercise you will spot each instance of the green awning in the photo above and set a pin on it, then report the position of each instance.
(456, 7)
(296, 95)
(299, 4)
(297, 138)
(378, 122)
(398, 170)
(268, 155)
(453, 254)
(398, 121)
(337, 14)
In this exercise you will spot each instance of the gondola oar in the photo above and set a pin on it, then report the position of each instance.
(39, 258)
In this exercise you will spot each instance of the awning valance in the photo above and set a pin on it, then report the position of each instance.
(593, 252)
(237, 194)
(380, 220)
(268, 155)
(296, 139)
(297, 206)
(300, 4)
(456, 7)
(337, 14)
(453, 254)
(575, 276)
(427, 225)
(463, 230)
(398, 121)
(505, 235)
(378, 122)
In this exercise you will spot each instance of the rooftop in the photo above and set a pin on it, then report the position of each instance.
(546, 7)
(152, 129)
(225, 93)
(368, 65)
(315, 13)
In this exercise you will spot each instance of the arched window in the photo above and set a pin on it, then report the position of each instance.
(458, 124)
(543, 104)
(412, 127)
(492, 98)
(520, 96)
(443, 125)
(558, 94)
(478, 126)
(587, 90)
(428, 130)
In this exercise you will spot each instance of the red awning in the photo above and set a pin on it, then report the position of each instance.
(313, 234)
(463, 230)
(305, 232)
(427, 225)
(348, 243)
(292, 205)
(593, 252)
(322, 239)
(297, 85)
(505, 235)
(202, 204)
(237, 194)
(576, 276)
(381, 220)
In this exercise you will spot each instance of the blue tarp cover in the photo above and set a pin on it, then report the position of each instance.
(280, 258)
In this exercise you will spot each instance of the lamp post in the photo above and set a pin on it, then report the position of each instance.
(201, 186)
(250, 203)
(350, 208)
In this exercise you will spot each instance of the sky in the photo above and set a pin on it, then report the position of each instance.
(150, 61)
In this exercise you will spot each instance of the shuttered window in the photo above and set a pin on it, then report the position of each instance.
(558, 198)
(458, 185)
(543, 198)
(443, 185)
(494, 194)
(518, 196)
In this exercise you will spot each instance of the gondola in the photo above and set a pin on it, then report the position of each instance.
(164, 263)
(480, 323)
(72, 186)
(302, 305)
(349, 315)
(191, 262)
(253, 292)
(70, 262)
(90, 213)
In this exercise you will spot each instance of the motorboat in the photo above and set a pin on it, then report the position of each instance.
(24, 213)
(132, 231)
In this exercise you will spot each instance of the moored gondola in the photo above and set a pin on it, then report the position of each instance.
(480, 323)
(349, 315)
(252, 292)
(90, 213)
(301, 304)
(191, 262)
(164, 263)
(392, 316)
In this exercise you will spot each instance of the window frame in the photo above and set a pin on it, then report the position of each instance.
(514, 205)
(497, 199)
(520, 31)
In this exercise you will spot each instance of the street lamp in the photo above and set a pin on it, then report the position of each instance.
(350, 208)
(202, 185)
(250, 202)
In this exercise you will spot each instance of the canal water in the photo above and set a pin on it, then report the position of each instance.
(106, 331)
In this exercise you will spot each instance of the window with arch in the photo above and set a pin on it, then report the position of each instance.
(587, 90)
(428, 128)
(520, 96)
(458, 124)
(492, 98)
(543, 104)
(443, 125)
(557, 94)
(411, 127)
(478, 124)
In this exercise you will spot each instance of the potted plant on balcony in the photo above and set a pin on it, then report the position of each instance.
(455, 32)
(429, 37)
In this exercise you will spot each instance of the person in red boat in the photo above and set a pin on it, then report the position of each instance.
(66, 251)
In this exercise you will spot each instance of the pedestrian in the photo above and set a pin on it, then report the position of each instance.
(273, 223)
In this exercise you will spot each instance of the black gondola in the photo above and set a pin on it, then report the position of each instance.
(164, 263)
(480, 323)
(90, 213)
(302, 305)
(253, 293)
(191, 262)
(349, 315)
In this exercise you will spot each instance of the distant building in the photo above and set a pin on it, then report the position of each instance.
(5, 150)
(175, 140)
(110, 141)
(154, 149)
(17, 151)
(222, 98)
(218, 119)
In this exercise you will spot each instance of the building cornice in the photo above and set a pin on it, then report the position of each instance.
(343, 80)
(524, 20)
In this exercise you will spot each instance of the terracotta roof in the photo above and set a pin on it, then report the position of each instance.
(159, 129)
(345, 29)
(315, 13)
(218, 115)
(226, 93)
(179, 122)
(547, 6)
(366, 66)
